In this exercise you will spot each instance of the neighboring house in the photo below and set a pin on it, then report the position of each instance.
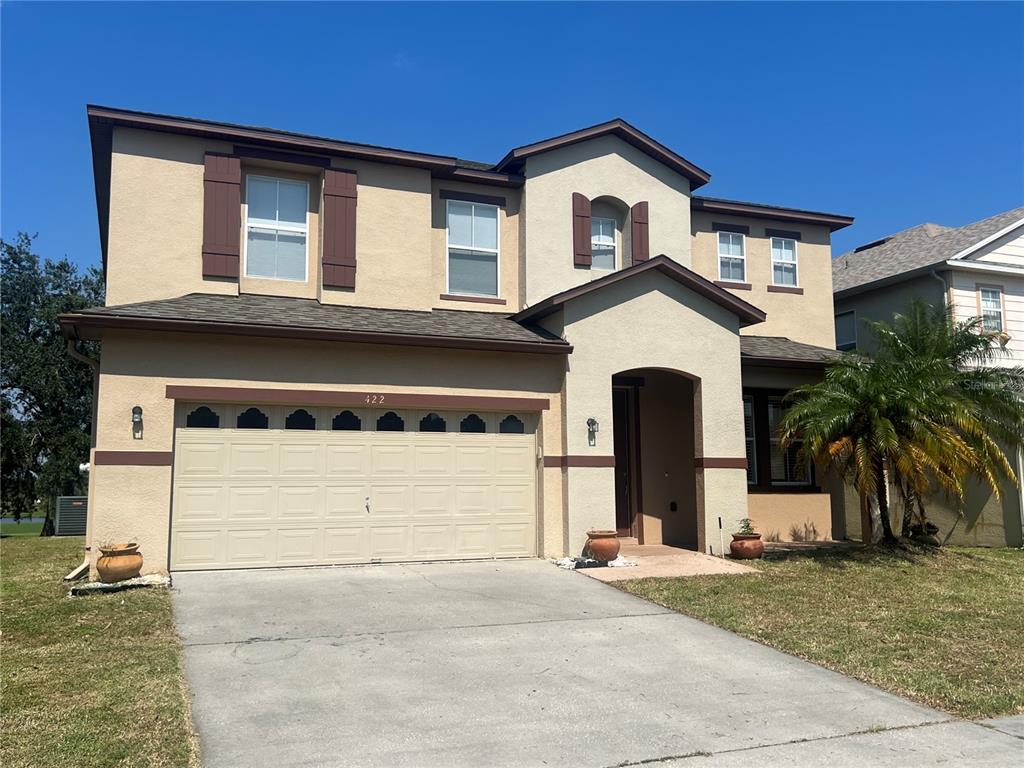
(978, 270)
(315, 351)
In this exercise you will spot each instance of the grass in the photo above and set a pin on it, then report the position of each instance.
(11, 528)
(943, 627)
(90, 681)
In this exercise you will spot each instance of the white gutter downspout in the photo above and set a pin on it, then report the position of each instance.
(83, 568)
(945, 288)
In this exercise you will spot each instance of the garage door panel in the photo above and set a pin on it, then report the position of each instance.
(472, 499)
(200, 503)
(301, 460)
(254, 503)
(473, 460)
(299, 501)
(513, 499)
(433, 460)
(431, 540)
(346, 501)
(391, 460)
(199, 549)
(389, 541)
(473, 539)
(251, 459)
(513, 538)
(432, 501)
(514, 460)
(390, 500)
(202, 460)
(346, 544)
(250, 547)
(299, 545)
(347, 460)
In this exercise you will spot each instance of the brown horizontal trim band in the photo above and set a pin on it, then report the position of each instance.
(785, 289)
(474, 299)
(579, 461)
(259, 153)
(472, 197)
(718, 226)
(710, 462)
(756, 210)
(781, 362)
(495, 178)
(71, 322)
(789, 234)
(133, 458)
(733, 286)
(377, 398)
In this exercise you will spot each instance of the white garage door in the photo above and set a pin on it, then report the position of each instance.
(328, 486)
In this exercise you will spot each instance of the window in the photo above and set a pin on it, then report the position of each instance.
(275, 228)
(787, 466)
(602, 243)
(748, 430)
(252, 418)
(432, 423)
(846, 330)
(511, 425)
(346, 420)
(472, 248)
(783, 261)
(390, 422)
(202, 417)
(991, 301)
(300, 419)
(472, 423)
(732, 265)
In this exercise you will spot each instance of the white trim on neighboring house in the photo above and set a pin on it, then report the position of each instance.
(983, 266)
(990, 239)
(495, 251)
(276, 225)
(742, 257)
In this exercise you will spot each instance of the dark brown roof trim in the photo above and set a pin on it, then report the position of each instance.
(719, 226)
(472, 197)
(259, 153)
(789, 234)
(340, 398)
(747, 313)
(493, 178)
(737, 208)
(71, 323)
(698, 176)
(784, 289)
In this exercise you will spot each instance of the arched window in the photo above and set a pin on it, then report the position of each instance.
(511, 425)
(300, 419)
(347, 420)
(472, 423)
(390, 422)
(203, 417)
(432, 423)
(252, 418)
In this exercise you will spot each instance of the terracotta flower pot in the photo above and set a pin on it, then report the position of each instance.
(746, 546)
(118, 562)
(603, 545)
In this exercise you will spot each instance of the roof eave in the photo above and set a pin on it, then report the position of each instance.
(833, 221)
(782, 362)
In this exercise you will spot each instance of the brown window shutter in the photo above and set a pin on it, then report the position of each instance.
(581, 256)
(222, 215)
(339, 248)
(639, 232)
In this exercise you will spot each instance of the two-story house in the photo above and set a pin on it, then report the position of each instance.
(315, 351)
(976, 271)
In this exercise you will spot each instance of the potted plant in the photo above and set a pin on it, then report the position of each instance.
(603, 545)
(746, 544)
(118, 561)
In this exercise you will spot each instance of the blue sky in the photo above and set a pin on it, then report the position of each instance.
(893, 113)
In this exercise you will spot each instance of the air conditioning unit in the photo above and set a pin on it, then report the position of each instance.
(71, 514)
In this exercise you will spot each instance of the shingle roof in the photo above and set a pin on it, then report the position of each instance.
(918, 247)
(771, 349)
(277, 312)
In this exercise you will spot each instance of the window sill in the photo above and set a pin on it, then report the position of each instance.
(785, 289)
(474, 299)
(736, 286)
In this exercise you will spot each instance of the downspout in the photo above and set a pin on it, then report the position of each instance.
(945, 287)
(83, 569)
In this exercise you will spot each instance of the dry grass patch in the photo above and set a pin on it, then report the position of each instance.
(91, 681)
(943, 627)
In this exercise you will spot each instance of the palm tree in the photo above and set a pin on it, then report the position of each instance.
(927, 408)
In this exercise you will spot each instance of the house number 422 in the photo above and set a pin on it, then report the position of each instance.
(374, 399)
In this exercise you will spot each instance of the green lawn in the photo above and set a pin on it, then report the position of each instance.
(943, 627)
(11, 528)
(91, 681)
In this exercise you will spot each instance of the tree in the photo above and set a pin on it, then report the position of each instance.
(46, 396)
(927, 408)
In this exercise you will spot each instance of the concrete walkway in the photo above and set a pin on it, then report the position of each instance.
(518, 664)
(663, 561)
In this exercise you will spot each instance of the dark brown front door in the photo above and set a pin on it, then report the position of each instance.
(623, 429)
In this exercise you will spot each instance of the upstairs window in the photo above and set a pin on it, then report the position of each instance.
(783, 261)
(602, 243)
(991, 301)
(472, 249)
(276, 228)
(732, 263)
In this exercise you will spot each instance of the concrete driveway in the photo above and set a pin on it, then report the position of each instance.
(518, 663)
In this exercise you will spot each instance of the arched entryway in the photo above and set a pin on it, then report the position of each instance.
(655, 423)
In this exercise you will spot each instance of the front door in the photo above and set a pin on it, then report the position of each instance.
(623, 429)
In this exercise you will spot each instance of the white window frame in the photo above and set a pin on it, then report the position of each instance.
(615, 244)
(496, 251)
(847, 344)
(742, 256)
(280, 226)
(795, 262)
(998, 290)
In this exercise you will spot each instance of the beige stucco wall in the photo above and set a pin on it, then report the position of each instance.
(803, 317)
(791, 516)
(134, 502)
(609, 167)
(650, 321)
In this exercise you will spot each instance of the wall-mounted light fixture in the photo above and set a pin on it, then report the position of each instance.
(137, 422)
(592, 427)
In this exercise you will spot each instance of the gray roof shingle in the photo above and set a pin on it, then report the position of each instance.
(766, 349)
(918, 247)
